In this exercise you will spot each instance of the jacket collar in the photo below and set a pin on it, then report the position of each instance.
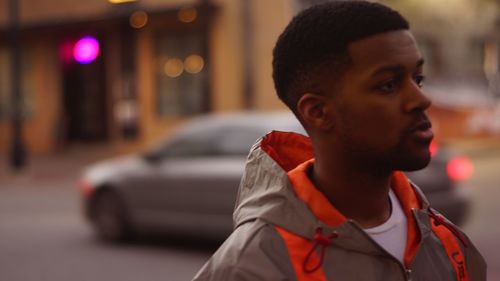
(288, 149)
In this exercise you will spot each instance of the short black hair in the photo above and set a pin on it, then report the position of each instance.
(317, 38)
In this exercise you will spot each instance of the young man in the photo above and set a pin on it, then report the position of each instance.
(336, 206)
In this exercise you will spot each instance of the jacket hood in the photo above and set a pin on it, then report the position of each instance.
(275, 188)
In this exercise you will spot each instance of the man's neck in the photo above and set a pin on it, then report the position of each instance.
(360, 196)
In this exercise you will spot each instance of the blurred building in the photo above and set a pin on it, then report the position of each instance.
(125, 72)
(460, 41)
(158, 62)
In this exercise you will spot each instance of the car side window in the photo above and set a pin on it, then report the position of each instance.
(233, 141)
(239, 140)
(190, 148)
(200, 144)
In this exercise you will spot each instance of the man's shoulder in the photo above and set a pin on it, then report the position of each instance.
(247, 239)
(253, 249)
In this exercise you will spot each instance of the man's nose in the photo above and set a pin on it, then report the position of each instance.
(416, 99)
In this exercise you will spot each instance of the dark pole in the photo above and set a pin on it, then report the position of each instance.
(17, 159)
(248, 87)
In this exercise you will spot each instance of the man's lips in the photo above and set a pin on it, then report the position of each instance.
(423, 130)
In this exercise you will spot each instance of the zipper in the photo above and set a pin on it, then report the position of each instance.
(407, 273)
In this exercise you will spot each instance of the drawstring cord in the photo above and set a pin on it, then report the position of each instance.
(323, 241)
(440, 220)
(326, 240)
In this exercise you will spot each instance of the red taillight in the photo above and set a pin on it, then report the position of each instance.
(85, 188)
(460, 168)
(433, 148)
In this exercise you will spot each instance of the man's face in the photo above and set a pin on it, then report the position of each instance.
(380, 118)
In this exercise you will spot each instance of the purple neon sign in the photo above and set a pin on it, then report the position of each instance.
(86, 50)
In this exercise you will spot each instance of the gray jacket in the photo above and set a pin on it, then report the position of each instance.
(280, 234)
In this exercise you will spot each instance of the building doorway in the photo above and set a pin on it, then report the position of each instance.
(84, 93)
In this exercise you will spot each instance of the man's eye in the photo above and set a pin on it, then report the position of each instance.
(419, 80)
(389, 86)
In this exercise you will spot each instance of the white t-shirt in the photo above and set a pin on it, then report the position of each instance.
(392, 234)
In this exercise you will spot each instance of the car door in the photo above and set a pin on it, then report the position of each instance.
(199, 192)
(192, 186)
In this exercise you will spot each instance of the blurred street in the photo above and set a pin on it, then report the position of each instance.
(45, 238)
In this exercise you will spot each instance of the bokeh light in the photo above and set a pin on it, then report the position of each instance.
(193, 64)
(460, 168)
(138, 19)
(66, 51)
(86, 50)
(433, 148)
(187, 14)
(120, 1)
(173, 67)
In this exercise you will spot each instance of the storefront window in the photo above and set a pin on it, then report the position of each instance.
(180, 74)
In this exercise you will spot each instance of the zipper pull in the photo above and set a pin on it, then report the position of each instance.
(408, 274)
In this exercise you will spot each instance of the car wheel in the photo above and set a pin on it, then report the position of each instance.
(109, 217)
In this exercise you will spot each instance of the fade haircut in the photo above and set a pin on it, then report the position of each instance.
(315, 43)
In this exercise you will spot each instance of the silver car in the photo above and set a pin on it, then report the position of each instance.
(188, 183)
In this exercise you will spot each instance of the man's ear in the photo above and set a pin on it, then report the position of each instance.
(315, 111)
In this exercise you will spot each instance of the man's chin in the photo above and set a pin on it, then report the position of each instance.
(413, 157)
(414, 164)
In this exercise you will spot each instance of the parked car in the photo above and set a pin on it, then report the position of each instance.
(188, 183)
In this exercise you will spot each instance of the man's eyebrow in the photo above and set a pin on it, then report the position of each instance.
(396, 68)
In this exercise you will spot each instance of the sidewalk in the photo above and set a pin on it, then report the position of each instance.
(65, 165)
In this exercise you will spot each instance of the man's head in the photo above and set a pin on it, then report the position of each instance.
(351, 72)
(315, 43)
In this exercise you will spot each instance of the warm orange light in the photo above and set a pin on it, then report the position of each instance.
(138, 19)
(187, 14)
(173, 67)
(120, 1)
(193, 64)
